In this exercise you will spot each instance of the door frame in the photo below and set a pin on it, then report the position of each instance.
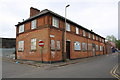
(93, 47)
(68, 55)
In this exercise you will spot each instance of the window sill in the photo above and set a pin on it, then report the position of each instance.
(52, 49)
(20, 51)
(33, 50)
(77, 50)
(84, 51)
(58, 50)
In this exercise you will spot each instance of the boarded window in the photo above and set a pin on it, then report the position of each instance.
(84, 34)
(33, 44)
(67, 27)
(58, 45)
(21, 46)
(101, 48)
(21, 28)
(77, 30)
(55, 22)
(84, 46)
(96, 37)
(89, 47)
(33, 24)
(93, 36)
(103, 40)
(100, 39)
(52, 45)
(97, 48)
(89, 35)
(77, 45)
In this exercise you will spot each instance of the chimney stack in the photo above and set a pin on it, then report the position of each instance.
(34, 11)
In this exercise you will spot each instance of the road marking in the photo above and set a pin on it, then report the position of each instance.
(113, 72)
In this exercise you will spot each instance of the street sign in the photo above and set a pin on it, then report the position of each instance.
(41, 43)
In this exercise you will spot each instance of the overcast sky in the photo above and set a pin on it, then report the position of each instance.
(99, 15)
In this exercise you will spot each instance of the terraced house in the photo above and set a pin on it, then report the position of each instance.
(48, 26)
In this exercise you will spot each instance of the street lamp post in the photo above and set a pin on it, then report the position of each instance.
(64, 37)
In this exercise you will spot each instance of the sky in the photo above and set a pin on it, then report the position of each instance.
(99, 15)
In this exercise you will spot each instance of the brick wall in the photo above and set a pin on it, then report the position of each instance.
(43, 31)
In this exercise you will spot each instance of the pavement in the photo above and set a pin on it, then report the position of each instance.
(48, 65)
(92, 67)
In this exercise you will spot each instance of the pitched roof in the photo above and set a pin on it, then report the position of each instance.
(46, 11)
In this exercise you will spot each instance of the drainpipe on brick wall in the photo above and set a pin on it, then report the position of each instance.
(87, 47)
(50, 44)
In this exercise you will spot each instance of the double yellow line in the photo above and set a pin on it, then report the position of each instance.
(113, 72)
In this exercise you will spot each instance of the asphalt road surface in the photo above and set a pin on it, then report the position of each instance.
(99, 67)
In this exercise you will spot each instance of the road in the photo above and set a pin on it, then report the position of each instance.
(99, 67)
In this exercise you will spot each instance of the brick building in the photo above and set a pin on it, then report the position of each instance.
(47, 26)
(108, 47)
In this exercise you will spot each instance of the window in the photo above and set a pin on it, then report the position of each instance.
(100, 39)
(77, 30)
(52, 45)
(84, 46)
(93, 36)
(89, 47)
(67, 27)
(33, 44)
(84, 33)
(55, 22)
(103, 40)
(21, 46)
(101, 48)
(77, 45)
(89, 35)
(33, 24)
(21, 28)
(96, 37)
(58, 45)
(97, 48)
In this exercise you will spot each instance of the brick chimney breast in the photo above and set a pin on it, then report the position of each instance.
(34, 11)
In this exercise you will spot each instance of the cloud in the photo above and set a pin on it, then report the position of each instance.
(99, 15)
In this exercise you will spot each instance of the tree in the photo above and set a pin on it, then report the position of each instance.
(111, 38)
(118, 44)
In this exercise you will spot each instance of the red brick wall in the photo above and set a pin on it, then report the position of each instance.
(34, 55)
(56, 55)
(43, 33)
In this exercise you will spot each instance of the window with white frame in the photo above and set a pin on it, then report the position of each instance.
(67, 27)
(77, 45)
(21, 46)
(21, 28)
(84, 34)
(97, 48)
(84, 46)
(77, 30)
(89, 47)
(101, 48)
(33, 44)
(89, 35)
(52, 44)
(55, 22)
(33, 24)
(58, 45)
(93, 36)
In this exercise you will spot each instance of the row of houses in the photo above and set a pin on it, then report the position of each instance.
(48, 26)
